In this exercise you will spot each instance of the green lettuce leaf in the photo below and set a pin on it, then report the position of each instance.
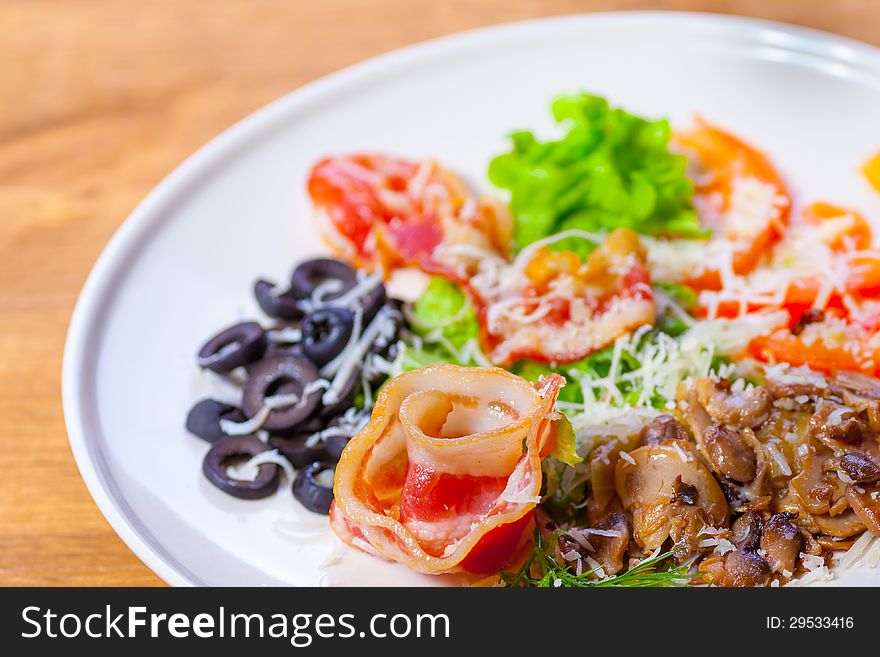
(444, 307)
(610, 169)
(564, 450)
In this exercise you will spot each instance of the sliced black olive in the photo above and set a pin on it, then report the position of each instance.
(311, 492)
(310, 426)
(230, 448)
(204, 418)
(344, 398)
(277, 349)
(296, 451)
(383, 344)
(312, 273)
(277, 375)
(236, 346)
(325, 333)
(277, 305)
(372, 300)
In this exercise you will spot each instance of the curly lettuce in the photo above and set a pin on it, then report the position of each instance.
(446, 326)
(610, 169)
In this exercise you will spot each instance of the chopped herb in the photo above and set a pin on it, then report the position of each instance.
(541, 570)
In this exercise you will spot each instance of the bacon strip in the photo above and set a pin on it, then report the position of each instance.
(446, 475)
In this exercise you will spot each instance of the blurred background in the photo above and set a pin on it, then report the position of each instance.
(100, 100)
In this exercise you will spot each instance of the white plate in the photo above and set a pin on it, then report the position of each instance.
(182, 265)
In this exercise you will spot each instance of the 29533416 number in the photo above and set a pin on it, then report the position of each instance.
(811, 622)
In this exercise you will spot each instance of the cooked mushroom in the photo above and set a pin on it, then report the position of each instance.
(785, 382)
(865, 504)
(571, 550)
(612, 538)
(602, 461)
(729, 452)
(740, 408)
(857, 467)
(696, 416)
(781, 542)
(842, 525)
(662, 428)
(862, 384)
(746, 531)
(816, 489)
(645, 487)
(682, 492)
(737, 568)
(833, 423)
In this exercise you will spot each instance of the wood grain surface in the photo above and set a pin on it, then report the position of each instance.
(101, 99)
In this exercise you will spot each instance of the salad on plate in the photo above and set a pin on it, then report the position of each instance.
(639, 361)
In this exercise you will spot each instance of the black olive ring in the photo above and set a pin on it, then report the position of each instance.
(232, 447)
(236, 346)
(281, 374)
(296, 451)
(310, 492)
(203, 419)
(325, 334)
(281, 306)
(312, 273)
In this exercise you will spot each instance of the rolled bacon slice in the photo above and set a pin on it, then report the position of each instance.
(447, 474)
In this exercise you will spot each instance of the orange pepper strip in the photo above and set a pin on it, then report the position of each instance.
(729, 158)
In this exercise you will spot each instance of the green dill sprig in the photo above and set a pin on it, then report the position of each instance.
(551, 574)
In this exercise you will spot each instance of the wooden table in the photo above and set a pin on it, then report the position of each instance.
(101, 99)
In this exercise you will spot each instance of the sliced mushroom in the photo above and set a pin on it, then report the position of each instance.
(785, 382)
(861, 384)
(696, 416)
(740, 408)
(865, 504)
(833, 423)
(725, 448)
(610, 548)
(570, 550)
(645, 488)
(856, 466)
(746, 531)
(682, 492)
(602, 462)
(862, 393)
(662, 428)
(844, 525)
(811, 544)
(816, 489)
(729, 452)
(737, 568)
(870, 407)
(782, 542)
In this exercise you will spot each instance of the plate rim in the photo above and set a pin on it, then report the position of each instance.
(89, 311)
